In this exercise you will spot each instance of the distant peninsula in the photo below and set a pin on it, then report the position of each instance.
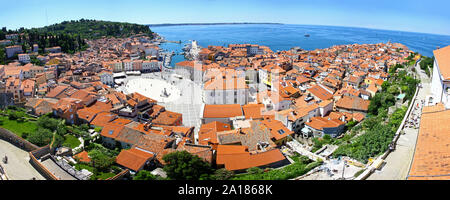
(196, 24)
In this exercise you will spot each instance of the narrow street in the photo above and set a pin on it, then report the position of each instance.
(399, 161)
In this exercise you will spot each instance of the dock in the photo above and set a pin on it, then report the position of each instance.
(167, 58)
(169, 41)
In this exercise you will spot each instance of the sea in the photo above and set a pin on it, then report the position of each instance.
(286, 36)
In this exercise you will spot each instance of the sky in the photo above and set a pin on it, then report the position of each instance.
(424, 16)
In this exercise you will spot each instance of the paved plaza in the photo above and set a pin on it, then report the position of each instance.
(18, 166)
(186, 97)
(155, 89)
(189, 104)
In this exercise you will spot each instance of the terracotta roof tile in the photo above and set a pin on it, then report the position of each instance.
(83, 157)
(253, 111)
(244, 161)
(222, 111)
(443, 59)
(320, 92)
(432, 156)
(134, 158)
(353, 103)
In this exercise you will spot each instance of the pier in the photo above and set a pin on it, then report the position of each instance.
(167, 58)
(169, 41)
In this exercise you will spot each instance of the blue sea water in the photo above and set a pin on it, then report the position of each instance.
(286, 36)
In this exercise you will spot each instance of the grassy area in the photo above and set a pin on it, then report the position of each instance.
(71, 141)
(80, 166)
(100, 175)
(18, 127)
(104, 176)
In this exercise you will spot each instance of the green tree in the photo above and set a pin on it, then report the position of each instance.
(58, 140)
(375, 103)
(255, 170)
(393, 90)
(48, 122)
(351, 124)
(223, 174)
(16, 115)
(2, 56)
(144, 176)
(35, 61)
(182, 165)
(25, 135)
(100, 160)
(40, 137)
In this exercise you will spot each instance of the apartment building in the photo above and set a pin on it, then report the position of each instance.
(13, 50)
(226, 90)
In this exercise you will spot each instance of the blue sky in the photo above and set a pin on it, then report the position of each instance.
(427, 16)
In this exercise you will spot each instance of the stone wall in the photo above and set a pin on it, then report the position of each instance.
(38, 153)
(35, 155)
(16, 140)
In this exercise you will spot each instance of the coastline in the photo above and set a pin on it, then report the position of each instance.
(288, 36)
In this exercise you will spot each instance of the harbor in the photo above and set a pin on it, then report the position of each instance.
(191, 50)
(172, 52)
(167, 58)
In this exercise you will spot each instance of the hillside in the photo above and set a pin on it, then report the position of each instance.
(69, 35)
(91, 29)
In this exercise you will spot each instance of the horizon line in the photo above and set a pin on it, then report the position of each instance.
(243, 23)
(279, 23)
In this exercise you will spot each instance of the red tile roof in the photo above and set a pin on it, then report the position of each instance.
(277, 130)
(319, 123)
(134, 158)
(432, 156)
(83, 157)
(111, 131)
(208, 132)
(102, 119)
(253, 111)
(443, 60)
(353, 103)
(56, 91)
(234, 159)
(320, 92)
(186, 63)
(222, 111)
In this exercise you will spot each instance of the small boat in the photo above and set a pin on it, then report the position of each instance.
(307, 35)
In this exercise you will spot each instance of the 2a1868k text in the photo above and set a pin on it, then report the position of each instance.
(229, 189)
